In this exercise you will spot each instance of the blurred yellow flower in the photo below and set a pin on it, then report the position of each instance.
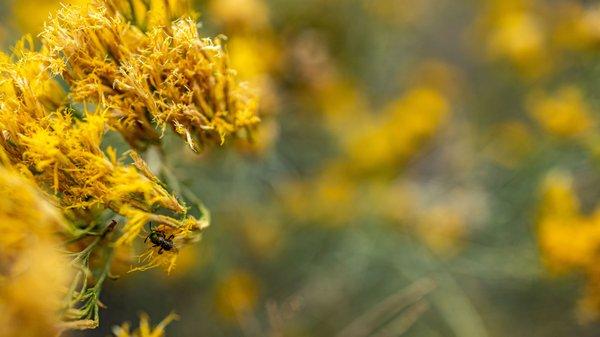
(569, 240)
(253, 56)
(400, 131)
(240, 15)
(443, 228)
(263, 234)
(564, 113)
(517, 31)
(30, 15)
(329, 199)
(35, 272)
(236, 295)
(519, 36)
(145, 329)
(343, 105)
(577, 27)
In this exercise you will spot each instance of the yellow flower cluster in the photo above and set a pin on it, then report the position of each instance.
(256, 54)
(532, 34)
(145, 330)
(32, 264)
(570, 240)
(399, 133)
(63, 154)
(374, 149)
(564, 114)
(237, 295)
(149, 73)
(133, 66)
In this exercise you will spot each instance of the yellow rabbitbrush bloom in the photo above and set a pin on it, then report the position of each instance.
(400, 132)
(568, 239)
(564, 113)
(63, 155)
(516, 31)
(145, 330)
(34, 273)
(237, 295)
(166, 76)
(518, 35)
(578, 27)
(148, 14)
(240, 15)
(29, 15)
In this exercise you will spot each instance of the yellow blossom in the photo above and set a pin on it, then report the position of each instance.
(517, 31)
(568, 239)
(30, 15)
(145, 329)
(63, 154)
(578, 27)
(236, 295)
(404, 126)
(35, 272)
(564, 113)
(240, 15)
(166, 76)
(519, 36)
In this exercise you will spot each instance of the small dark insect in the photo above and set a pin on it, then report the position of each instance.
(160, 239)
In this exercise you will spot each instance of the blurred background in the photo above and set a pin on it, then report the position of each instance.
(423, 168)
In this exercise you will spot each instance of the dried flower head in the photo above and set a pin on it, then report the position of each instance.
(59, 148)
(165, 76)
(62, 153)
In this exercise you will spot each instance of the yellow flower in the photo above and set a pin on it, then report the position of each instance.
(518, 35)
(145, 330)
(405, 125)
(443, 228)
(568, 239)
(343, 104)
(254, 56)
(63, 155)
(263, 234)
(30, 15)
(564, 113)
(240, 15)
(183, 232)
(569, 243)
(166, 76)
(516, 31)
(329, 199)
(236, 295)
(148, 14)
(35, 273)
(578, 27)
